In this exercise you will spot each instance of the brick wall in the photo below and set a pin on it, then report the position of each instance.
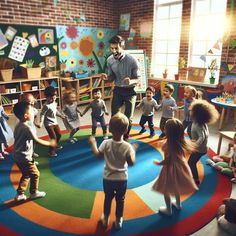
(98, 13)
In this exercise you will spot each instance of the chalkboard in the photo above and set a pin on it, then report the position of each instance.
(24, 42)
(140, 56)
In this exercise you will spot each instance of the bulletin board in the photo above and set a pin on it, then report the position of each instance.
(24, 42)
(141, 58)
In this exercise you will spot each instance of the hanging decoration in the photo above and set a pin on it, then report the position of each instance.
(203, 57)
(210, 51)
(216, 46)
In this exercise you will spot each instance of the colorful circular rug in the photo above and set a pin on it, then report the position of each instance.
(74, 201)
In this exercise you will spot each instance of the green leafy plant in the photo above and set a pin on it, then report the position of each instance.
(213, 67)
(101, 68)
(29, 63)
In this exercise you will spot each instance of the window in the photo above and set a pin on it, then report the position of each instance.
(206, 32)
(166, 37)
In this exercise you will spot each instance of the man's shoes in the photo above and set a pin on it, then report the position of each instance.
(118, 223)
(59, 146)
(20, 197)
(104, 220)
(37, 194)
(35, 155)
(143, 130)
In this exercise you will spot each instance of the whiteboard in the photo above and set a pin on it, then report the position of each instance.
(140, 57)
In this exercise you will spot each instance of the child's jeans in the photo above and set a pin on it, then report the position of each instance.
(115, 189)
(54, 132)
(148, 119)
(100, 119)
(29, 172)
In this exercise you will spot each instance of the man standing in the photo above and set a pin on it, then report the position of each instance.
(123, 69)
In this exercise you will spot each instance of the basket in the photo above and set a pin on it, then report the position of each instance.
(31, 73)
(6, 74)
(196, 74)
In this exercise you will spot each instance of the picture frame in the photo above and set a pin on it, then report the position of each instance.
(51, 62)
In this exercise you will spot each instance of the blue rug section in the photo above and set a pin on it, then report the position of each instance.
(77, 166)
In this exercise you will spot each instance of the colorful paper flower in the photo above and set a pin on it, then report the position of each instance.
(90, 63)
(72, 62)
(81, 62)
(86, 46)
(100, 34)
(71, 32)
(73, 45)
(101, 45)
(63, 45)
(100, 53)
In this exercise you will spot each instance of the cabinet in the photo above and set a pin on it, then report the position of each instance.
(11, 90)
(85, 86)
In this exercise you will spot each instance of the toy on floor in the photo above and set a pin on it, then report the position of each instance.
(226, 215)
(226, 163)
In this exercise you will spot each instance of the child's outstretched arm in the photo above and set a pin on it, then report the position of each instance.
(131, 159)
(92, 142)
(50, 143)
(86, 109)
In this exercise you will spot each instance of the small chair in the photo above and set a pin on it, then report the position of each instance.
(225, 134)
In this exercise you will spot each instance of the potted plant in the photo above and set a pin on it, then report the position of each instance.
(6, 67)
(30, 70)
(165, 73)
(181, 65)
(212, 68)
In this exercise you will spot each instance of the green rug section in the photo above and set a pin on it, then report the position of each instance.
(61, 197)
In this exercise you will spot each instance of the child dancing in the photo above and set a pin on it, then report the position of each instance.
(168, 106)
(202, 113)
(48, 117)
(6, 133)
(190, 93)
(118, 154)
(23, 152)
(98, 107)
(148, 104)
(175, 177)
(71, 111)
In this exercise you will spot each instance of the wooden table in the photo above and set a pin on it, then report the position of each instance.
(224, 106)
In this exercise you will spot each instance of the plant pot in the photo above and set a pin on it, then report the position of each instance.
(6, 74)
(176, 76)
(31, 73)
(165, 75)
(212, 80)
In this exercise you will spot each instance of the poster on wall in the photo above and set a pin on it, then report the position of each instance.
(140, 56)
(18, 49)
(124, 22)
(3, 40)
(83, 50)
(46, 36)
(10, 33)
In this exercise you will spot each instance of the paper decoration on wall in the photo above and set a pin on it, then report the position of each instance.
(51, 61)
(124, 22)
(203, 57)
(33, 41)
(82, 18)
(210, 51)
(146, 29)
(3, 40)
(44, 51)
(216, 46)
(2, 53)
(25, 35)
(45, 36)
(19, 48)
(132, 33)
(231, 66)
(225, 66)
(10, 33)
(55, 47)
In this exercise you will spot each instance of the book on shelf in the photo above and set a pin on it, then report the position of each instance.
(96, 83)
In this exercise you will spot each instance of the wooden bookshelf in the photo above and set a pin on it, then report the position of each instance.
(11, 90)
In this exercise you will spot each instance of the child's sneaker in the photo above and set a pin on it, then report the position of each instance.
(104, 220)
(59, 146)
(1, 156)
(143, 130)
(37, 194)
(20, 197)
(233, 180)
(35, 155)
(72, 141)
(105, 137)
(118, 223)
(75, 139)
(152, 134)
(36, 163)
(177, 206)
(165, 211)
(52, 154)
